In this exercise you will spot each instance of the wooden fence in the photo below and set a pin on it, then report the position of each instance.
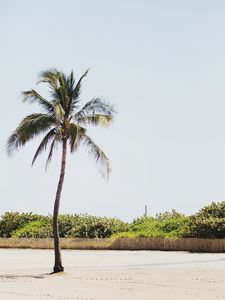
(164, 244)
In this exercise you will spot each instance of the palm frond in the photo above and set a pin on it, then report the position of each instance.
(51, 77)
(13, 143)
(69, 84)
(75, 135)
(62, 90)
(44, 143)
(98, 155)
(72, 135)
(70, 81)
(59, 113)
(50, 154)
(76, 91)
(75, 94)
(52, 146)
(96, 106)
(96, 120)
(59, 85)
(29, 127)
(34, 97)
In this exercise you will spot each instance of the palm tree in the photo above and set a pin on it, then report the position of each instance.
(64, 122)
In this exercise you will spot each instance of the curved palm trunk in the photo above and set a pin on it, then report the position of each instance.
(58, 261)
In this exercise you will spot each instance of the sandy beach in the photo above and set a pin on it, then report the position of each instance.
(112, 275)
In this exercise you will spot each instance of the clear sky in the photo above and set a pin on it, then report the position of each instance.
(161, 63)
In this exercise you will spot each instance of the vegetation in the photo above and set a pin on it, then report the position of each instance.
(153, 227)
(35, 229)
(80, 226)
(209, 222)
(63, 122)
(12, 221)
(96, 227)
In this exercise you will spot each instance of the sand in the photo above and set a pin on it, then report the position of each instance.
(112, 275)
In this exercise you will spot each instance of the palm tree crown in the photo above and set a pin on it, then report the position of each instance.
(63, 119)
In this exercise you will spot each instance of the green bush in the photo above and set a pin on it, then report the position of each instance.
(96, 227)
(214, 210)
(12, 221)
(85, 226)
(164, 225)
(28, 225)
(66, 224)
(174, 227)
(209, 222)
(34, 229)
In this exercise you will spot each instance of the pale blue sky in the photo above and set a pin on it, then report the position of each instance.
(161, 63)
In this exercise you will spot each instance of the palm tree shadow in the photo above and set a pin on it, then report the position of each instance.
(20, 276)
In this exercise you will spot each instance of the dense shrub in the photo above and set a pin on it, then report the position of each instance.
(28, 225)
(34, 229)
(12, 221)
(209, 222)
(165, 225)
(66, 224)
(174, 227)
(214, 210)
(168, 224)
(85, 226)
(96, 227)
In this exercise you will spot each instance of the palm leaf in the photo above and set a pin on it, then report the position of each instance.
(13, 143)
(98, 155)
(29, 127)
(52, 146)
(96, 106)
(34, 97)
(96, 120)
(70, 85)
(76, 91)
(75, 135)
(44, 143)
(51, 77)
(62, 91)
(59, 113)
(75, 95)
(59, 86)
(72, 135)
